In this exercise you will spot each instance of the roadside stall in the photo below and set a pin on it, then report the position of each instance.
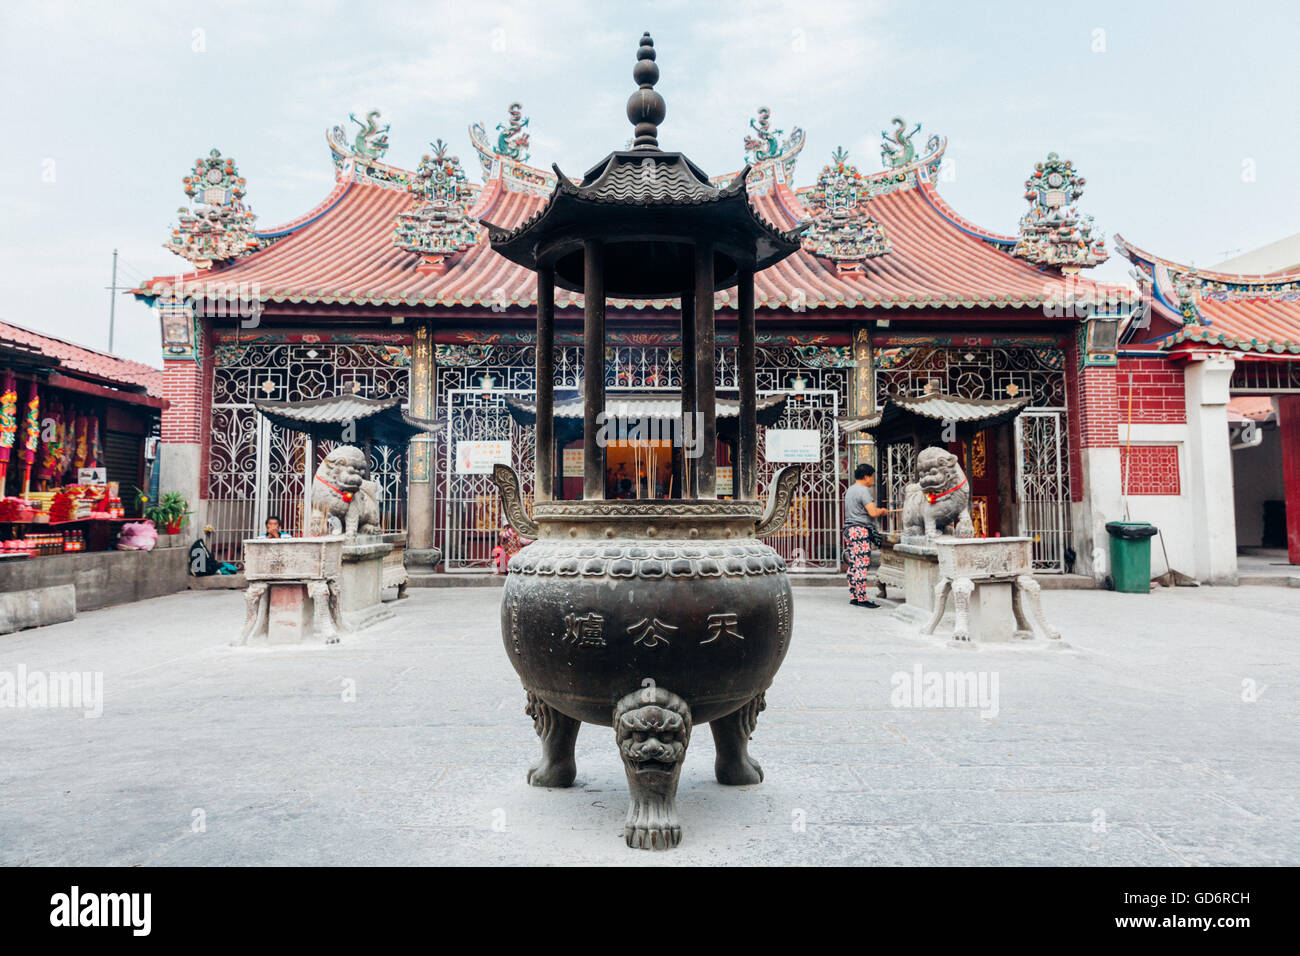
(78, 429)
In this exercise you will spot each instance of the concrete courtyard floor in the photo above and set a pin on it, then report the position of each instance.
(1166, 733)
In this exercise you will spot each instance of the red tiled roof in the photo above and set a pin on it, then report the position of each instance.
(1246, 407)
(1249, 313)
(87, 363)
(345, 255)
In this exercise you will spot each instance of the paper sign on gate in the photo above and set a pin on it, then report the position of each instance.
(478, 457)
(801, 445)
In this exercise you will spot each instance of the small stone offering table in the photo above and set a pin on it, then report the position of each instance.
(293, 590)
(990, 580)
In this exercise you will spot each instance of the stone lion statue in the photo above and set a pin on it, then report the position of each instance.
(341, 491)
(939, 499)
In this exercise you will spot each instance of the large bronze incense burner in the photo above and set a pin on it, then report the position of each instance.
(650, 616)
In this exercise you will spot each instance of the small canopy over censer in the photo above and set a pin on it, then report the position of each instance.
(351, 419)
(922, 419)
(648, 615)
(645, 223)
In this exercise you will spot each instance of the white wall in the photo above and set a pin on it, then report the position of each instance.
(1211, 516)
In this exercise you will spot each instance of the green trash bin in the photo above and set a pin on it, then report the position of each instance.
(1130, 555)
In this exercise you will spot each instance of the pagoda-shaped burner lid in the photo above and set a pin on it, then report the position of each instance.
(650, 208)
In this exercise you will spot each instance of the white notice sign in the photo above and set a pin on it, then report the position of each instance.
(801, 445)
(478, 457)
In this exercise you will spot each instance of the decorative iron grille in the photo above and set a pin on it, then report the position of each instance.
(1266, 377)
(473, 380)
(256, 468)
(1042, 441)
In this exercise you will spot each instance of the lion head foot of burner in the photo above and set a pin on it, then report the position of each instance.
(653, 729)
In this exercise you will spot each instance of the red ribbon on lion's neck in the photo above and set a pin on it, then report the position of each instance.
(345, 495)
(932, 498)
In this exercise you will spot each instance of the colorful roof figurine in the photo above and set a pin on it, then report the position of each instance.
(378, 238)
(512, 141)
(438, 226)
(1053, 232)
(843, 231)
(371, 140)
(766, 143)
(220, 227)
(897, 149)
(1196, 308)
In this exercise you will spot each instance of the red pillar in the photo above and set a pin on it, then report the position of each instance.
(1288, 423)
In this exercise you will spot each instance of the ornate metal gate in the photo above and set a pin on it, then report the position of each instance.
(985, 372)
(471, 509)
(810, 538)
(816, 377)
(256, 469)
(1042, 487)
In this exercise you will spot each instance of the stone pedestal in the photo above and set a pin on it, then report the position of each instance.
(293, 590)
(289, 614)
(991, 615)
(994, 595)
(920, 576)
(395, 574)
(361, 580)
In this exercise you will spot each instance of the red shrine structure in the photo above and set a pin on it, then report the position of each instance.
(388, 288)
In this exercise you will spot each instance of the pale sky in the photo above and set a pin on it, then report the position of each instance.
(1182, 116)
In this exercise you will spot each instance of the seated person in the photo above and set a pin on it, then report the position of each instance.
(273, 528)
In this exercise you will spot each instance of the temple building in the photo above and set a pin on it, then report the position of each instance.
(1206, 407)
(388, 288)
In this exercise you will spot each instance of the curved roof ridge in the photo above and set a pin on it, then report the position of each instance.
(341, 187)
(931, 194)
(1132, 252)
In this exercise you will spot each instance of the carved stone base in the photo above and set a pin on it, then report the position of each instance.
(653, 729)
(559, 734)
(734, 766)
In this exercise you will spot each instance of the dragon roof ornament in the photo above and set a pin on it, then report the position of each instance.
(767, 143)
(506, 155)
(438, 226)
(512, 141)
(360, 157)
(897, 149)
(842, 229)
(1053, 232)
(770, 156)
(218, 227)
(371, 140)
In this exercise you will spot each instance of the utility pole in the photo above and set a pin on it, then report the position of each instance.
(112, 303)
